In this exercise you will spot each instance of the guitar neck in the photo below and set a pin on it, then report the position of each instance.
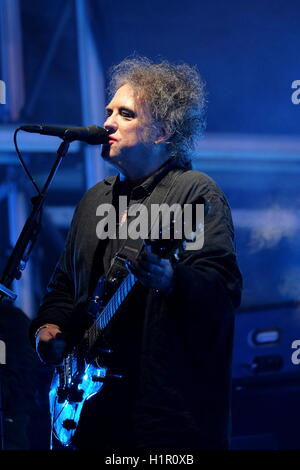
(111, 308)
(116, 301)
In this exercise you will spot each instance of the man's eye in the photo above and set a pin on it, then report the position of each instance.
(127, 114)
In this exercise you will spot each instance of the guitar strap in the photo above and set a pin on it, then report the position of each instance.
(132, 247)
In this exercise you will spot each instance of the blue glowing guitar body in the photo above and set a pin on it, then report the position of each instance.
(65, 413)
(83, 372)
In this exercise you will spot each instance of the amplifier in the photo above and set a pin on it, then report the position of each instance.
(267, 344)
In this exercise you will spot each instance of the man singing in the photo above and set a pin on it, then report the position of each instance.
(172, 339)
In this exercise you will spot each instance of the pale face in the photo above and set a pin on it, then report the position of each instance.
(125, 121)
(128, 148)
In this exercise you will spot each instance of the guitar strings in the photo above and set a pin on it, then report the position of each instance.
(106, 315)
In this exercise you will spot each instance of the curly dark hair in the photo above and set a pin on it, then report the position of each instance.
(175, 96)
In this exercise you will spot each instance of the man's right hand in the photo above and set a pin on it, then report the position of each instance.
(50, 345)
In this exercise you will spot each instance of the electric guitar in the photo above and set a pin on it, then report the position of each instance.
(84, 370)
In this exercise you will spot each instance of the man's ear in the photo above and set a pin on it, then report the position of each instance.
(160, 140)
(161, 136)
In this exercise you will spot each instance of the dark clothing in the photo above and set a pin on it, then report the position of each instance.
(177, 348)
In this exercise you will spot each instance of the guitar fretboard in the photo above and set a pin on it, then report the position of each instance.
(116, 301)
(111, 308)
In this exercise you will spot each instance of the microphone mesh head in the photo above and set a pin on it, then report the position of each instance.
(96, 135)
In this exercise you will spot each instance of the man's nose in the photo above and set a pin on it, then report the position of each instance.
(110, 124)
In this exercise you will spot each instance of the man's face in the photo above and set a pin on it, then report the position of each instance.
(126, 121)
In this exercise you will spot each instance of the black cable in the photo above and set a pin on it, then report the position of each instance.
(23, 162)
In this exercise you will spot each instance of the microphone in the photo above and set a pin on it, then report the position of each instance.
(93, 135)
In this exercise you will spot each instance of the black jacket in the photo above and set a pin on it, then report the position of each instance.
(180, 346)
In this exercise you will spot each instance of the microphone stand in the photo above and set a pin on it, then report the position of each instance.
(20, 254)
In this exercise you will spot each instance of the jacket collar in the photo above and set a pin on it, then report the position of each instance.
(149, 182)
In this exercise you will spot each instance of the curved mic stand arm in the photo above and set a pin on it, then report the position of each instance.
(20, 254)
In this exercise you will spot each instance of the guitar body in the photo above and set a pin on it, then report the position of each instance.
(82, 373)
(66, 403)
